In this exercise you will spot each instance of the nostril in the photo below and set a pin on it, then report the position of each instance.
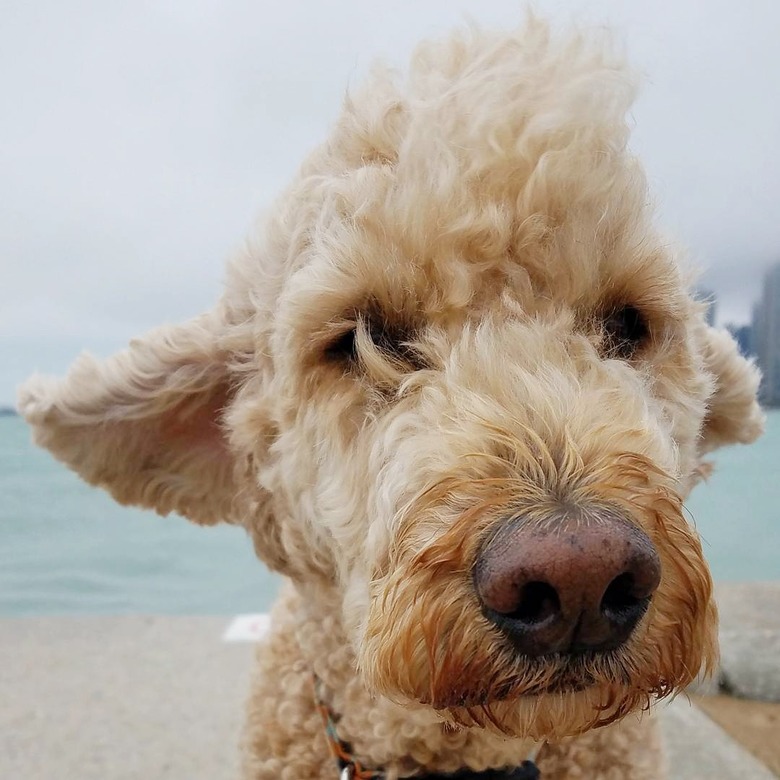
(537, 601)
(621, 601)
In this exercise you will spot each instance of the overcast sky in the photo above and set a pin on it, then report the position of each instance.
(139, 139)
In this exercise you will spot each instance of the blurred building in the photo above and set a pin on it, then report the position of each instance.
(743, 335)
(765, 339)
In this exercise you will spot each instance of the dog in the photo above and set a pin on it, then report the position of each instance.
(456, 390)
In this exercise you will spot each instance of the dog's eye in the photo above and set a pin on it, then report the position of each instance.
(391, 341)
(625, 330)
(344, 347)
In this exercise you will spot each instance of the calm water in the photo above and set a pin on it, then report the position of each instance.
(66, 548)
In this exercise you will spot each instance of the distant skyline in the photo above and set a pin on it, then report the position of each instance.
(764, 337)
(139, 141)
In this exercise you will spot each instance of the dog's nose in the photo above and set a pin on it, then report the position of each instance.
(575, 584)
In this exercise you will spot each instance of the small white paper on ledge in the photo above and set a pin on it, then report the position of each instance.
(247, 628)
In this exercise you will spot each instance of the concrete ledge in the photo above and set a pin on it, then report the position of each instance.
(750, 640)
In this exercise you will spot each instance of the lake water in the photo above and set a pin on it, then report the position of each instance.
(66, 548)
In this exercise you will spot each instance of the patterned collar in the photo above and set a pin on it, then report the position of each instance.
(350, 767)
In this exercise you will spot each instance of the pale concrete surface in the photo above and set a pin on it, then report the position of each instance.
(115, 698)
(120, 698)
(750, 639)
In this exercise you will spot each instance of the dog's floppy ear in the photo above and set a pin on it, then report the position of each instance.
(144, 424)
(733, 415)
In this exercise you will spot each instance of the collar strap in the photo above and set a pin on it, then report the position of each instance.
(350, 767)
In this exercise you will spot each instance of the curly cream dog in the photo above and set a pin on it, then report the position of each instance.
(456, 391)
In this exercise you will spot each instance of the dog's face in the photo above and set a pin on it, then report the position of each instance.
(459, 386)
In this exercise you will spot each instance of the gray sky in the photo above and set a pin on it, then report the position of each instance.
(139, 139)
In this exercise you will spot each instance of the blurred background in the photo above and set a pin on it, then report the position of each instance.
(139, 141)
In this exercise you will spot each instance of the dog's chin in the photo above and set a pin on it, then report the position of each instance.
(542, 700)
(569, 700)
(553, 675)
(563, 710)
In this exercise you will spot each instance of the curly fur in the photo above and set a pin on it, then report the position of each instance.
(414, 348)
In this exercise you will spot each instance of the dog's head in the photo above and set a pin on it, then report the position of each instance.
(458, 384)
